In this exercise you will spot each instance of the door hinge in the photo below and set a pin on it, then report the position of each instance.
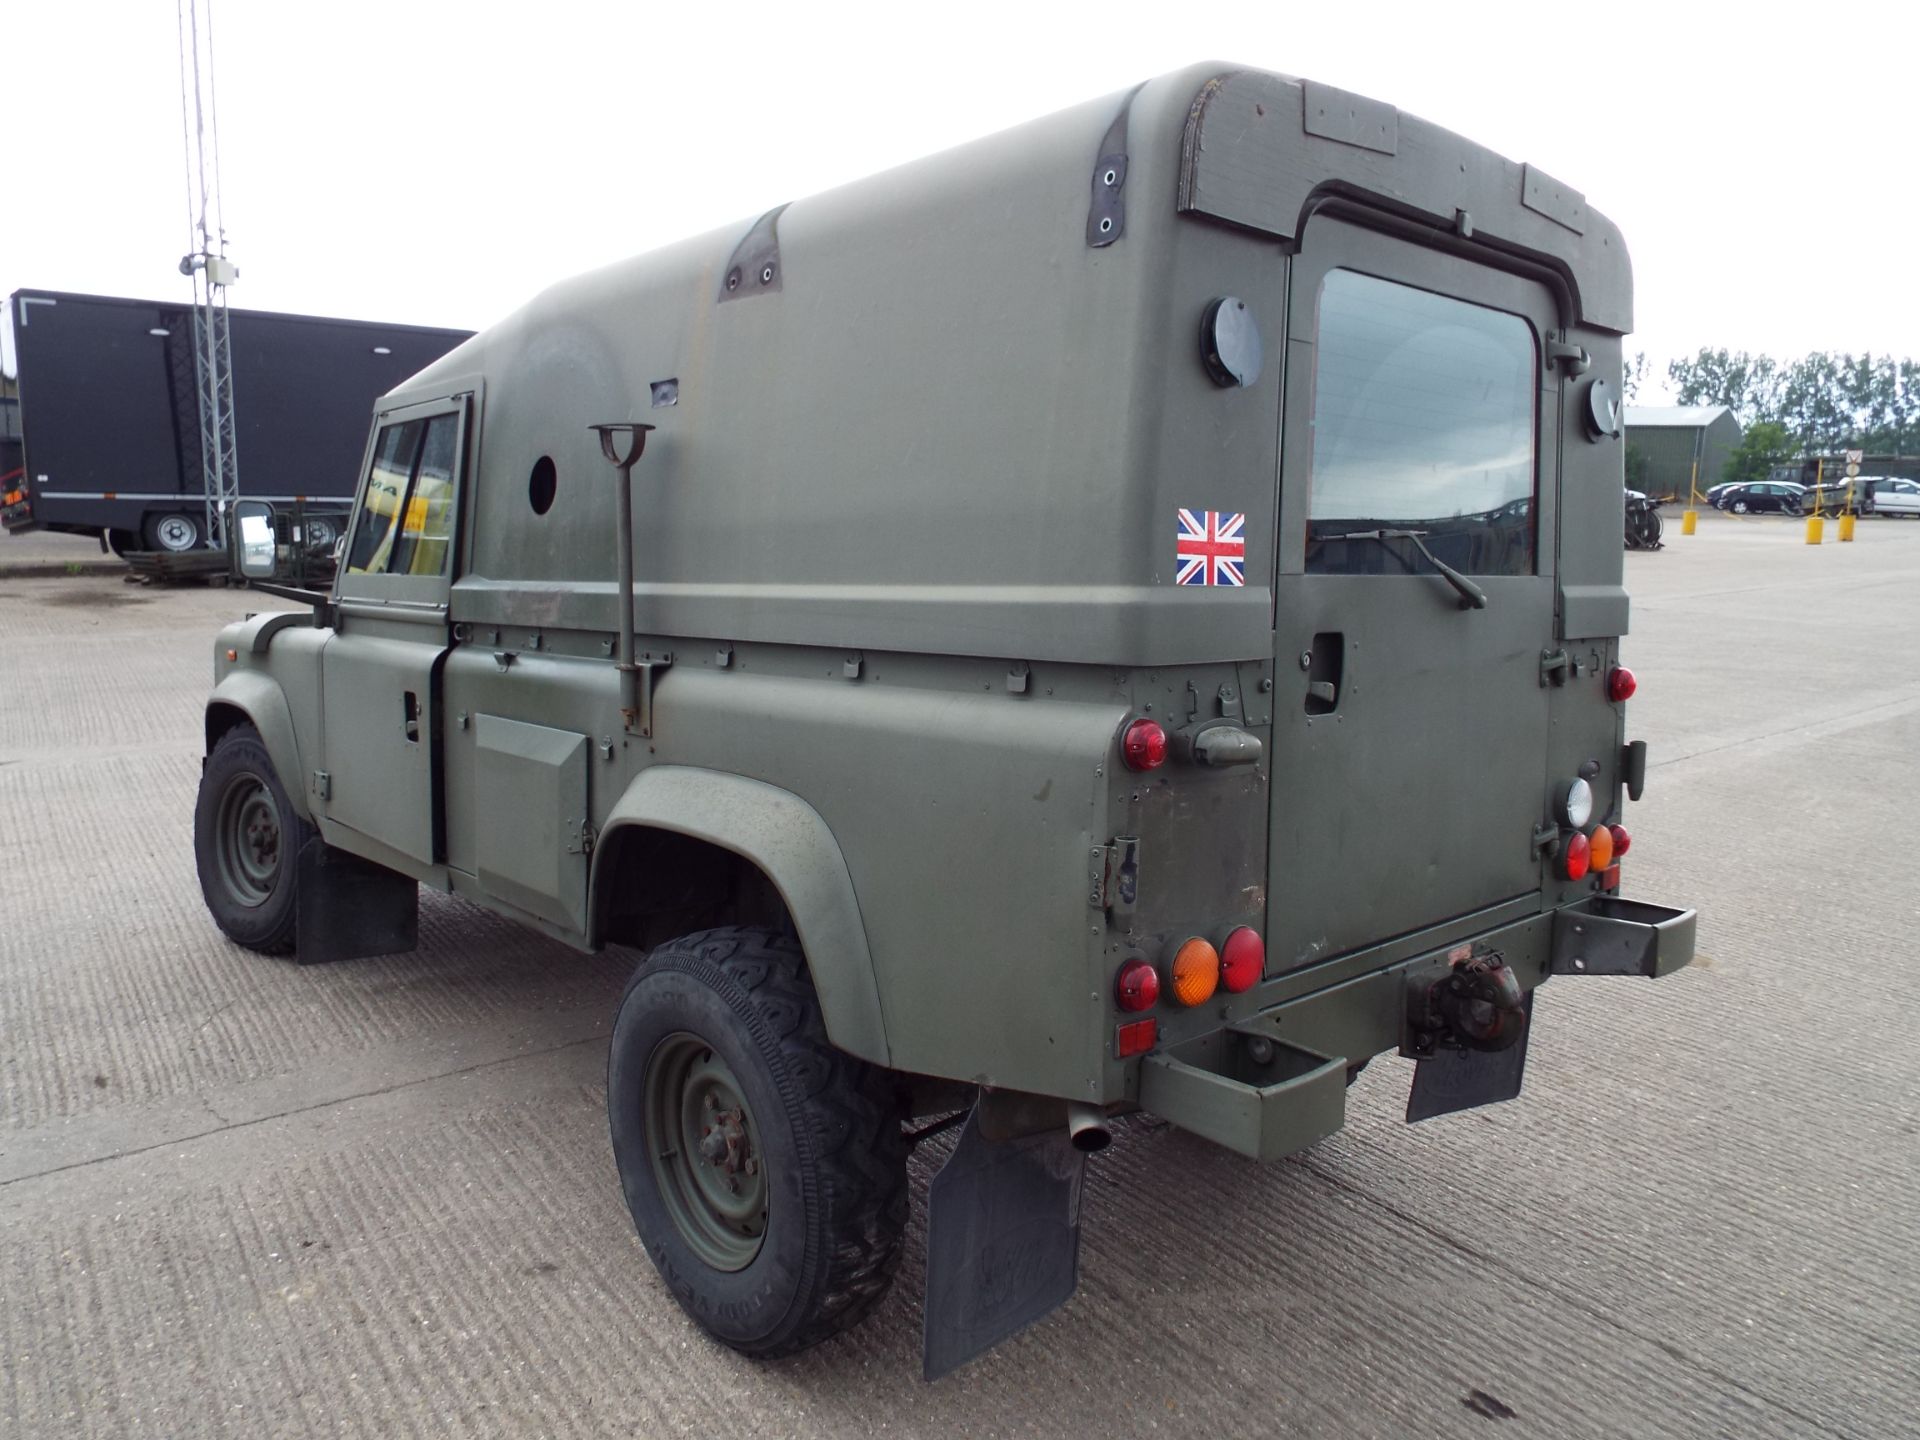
(1554, 665)
(322, 785)
(1573, 357)
(580, 838)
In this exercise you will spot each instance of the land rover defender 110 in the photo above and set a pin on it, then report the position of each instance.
(1120, 617)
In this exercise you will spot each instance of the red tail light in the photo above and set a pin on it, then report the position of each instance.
(1242, 959)
(1621, 840)
(1620, 684)
(1137, 986)
(1144, 746)
(1575, 857)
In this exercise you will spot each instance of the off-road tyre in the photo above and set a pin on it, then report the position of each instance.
(240, 800)
(825, 1126)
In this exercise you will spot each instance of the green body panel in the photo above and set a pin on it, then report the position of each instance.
(538, 775)
(903, 543)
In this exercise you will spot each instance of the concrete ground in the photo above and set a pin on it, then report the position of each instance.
(239, 1197)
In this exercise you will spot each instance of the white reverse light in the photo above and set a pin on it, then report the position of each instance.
(1576, 806)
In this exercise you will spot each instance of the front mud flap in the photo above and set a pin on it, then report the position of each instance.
(347, 908)
(1003, 1241)
(1455, 1078)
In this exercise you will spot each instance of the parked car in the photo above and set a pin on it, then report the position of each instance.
(1893, 497)
(1761, 495)
(1712, 497)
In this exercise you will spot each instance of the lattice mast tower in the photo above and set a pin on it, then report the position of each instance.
(207, 265)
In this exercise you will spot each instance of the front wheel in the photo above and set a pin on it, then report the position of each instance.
(766, 1171)
(1739, 507)
(246, 843)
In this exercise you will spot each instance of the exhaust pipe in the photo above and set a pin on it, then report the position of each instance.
(1087, 1128)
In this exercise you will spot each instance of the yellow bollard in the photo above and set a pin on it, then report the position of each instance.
(1688, 519)
(1815, 525)
(1846, 527)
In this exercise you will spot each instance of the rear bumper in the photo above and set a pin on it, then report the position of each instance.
(1275, 1081)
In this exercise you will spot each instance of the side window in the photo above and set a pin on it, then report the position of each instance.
(406, 522)
(394, 456)
(427, 524)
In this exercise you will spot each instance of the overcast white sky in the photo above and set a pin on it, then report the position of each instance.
(437, 163)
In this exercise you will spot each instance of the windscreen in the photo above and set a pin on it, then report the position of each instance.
(1424, 419)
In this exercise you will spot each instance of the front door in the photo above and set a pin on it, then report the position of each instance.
(380, 671)
(1410, 723)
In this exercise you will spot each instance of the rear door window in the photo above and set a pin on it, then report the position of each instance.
(1424, 419)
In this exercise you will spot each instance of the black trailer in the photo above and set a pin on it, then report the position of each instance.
(110, 419)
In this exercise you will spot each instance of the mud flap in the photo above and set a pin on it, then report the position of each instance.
(1454, 1078)
(1003, 1241)
(346, 908)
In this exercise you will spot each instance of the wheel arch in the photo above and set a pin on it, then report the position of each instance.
(782, 839)
(246, 697)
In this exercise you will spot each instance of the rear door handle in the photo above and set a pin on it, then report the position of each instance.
(1323, 691)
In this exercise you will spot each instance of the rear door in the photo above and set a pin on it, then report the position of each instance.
(1410, 721)
(380, 671)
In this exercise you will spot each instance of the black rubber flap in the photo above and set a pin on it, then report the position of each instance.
(1454, 1079)
(349, 908)
(1003, 1241)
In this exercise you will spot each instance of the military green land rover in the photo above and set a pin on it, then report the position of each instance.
(1120, 617)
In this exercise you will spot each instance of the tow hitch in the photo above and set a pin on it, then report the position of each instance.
(1467, 1030)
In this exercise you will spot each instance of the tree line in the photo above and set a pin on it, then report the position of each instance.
(1822, 402)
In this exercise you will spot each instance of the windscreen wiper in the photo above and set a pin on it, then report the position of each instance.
(1472, 597)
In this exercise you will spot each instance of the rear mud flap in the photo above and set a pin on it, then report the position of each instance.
(347, 908)
(1454, 1078)
(1003, 1241)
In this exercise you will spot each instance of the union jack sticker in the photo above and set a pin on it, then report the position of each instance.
(1212, 549)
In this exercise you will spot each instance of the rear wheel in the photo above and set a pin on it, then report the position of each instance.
(176, 533)
(246, 841)
(766, 1171)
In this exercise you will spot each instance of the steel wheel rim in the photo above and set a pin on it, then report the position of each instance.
(176, 533)
(247, 840)
(705, 1149)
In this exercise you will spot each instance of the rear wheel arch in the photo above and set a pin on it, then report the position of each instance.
(704, 848)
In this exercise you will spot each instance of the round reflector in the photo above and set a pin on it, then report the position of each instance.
(1242, 959)
(1622, 841)
(1137, 986)
(1144, 746)
(1600, 848)
(1196, 972)
(1620, 683)
(1576, 856)
(1576, 805)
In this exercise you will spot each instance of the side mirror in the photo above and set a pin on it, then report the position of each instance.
(253, 524)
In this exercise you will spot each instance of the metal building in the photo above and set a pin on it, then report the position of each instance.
(1677, 438)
